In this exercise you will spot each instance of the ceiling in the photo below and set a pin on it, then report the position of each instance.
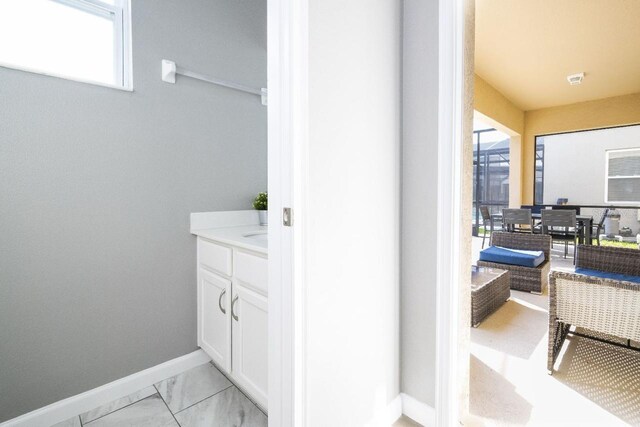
(525, 49)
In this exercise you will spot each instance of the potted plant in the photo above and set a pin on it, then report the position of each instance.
(261, 205)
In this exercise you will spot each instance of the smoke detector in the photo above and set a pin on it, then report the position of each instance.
(575, 79)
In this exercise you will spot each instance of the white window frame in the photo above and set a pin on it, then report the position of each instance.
(607, 177)
(121, 12)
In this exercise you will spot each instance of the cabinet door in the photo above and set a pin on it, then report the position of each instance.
(214, 317)
(249, 366)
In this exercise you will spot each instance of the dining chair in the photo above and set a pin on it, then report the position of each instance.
(487, 222)
(561, 225)
(517, 220)
(596, 229)
(535, 209)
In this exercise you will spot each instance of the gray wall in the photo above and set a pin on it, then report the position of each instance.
(419, 198)
(97, 266)
(576, 172)
(582, 180)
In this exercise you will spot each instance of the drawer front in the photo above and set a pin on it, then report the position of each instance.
(251, 271)
(215, 257)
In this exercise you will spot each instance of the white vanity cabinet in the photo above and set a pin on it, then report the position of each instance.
(249, 342)
(232, 313)
(214, 321)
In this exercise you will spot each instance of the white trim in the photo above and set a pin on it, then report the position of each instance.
(389, 414)
(83, 402)
(450, 82)
(418, 411)
(63, 76)
(287, 116)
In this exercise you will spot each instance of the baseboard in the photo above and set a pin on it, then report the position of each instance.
(83, 402)
(387, 415)
(418, 411)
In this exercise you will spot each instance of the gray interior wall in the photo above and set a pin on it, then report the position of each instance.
(419, 198)
(97, 266)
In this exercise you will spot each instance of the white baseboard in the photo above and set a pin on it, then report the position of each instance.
(387, 415)
(418, 411)
(83, 402)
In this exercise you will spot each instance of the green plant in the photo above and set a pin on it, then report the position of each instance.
(260, 202)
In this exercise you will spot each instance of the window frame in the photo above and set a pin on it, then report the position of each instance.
(607, 177)
(121, 13)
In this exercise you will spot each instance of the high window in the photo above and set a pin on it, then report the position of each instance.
(86, 40)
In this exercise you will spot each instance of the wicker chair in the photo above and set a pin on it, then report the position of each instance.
(595, 305)
(527, 279)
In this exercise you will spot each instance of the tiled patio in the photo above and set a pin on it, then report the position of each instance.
(594, 384)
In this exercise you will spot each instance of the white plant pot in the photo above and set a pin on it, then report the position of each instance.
(263, 217)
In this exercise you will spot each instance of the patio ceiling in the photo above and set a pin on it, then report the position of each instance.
(526, 49)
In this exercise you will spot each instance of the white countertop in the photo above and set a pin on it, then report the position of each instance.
(252, 237)
(234, 228)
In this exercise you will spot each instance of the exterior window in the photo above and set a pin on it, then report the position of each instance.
(623, 176)
(85, 40)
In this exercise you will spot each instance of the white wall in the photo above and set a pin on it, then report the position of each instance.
(574, 163)
(574, 167)
(419, 199)
(352, 281)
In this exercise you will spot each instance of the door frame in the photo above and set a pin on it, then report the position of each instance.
(287, 157)
(451, 61)
(287, 153)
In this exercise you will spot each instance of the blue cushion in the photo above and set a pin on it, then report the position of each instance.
(607, 275)
(510, 256)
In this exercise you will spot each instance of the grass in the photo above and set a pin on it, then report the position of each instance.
(616, 244)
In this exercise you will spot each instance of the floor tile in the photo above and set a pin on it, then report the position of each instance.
(149, 412)
(229, 408)
(192, 386)
(71, 422)
(103, 410)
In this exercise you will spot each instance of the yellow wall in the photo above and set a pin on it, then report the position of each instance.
(495, 105)
(494, 109)
(608, 112)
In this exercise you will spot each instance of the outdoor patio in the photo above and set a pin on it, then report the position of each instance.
(594, 383)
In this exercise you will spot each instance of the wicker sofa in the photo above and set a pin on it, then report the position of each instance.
(603, 309)
(528, 279)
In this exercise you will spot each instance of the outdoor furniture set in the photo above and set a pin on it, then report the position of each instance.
(515, 261)
(600, 301)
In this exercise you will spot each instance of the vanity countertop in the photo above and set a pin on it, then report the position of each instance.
(251, 237)
(234, 228)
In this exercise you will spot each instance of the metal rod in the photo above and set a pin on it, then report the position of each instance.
(220, 82)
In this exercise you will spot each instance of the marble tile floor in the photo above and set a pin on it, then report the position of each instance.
(201, 396)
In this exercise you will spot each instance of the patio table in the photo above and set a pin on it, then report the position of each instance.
(489, 290)
(585, 221)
